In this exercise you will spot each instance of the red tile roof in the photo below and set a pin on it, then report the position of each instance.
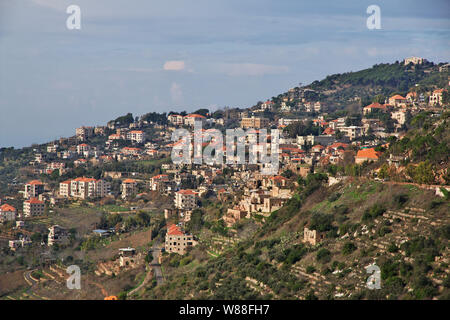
(6, 208)
(174, 230)
(369, 153)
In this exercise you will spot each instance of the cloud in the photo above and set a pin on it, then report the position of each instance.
(174, 65)
(250, 69)
(54, 4)
(176, 93)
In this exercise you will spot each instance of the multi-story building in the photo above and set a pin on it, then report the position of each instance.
(353, 132)
(190, 119)
(7, 213)
(33, 189)
(176, 119)
(33, 207)
(136, 136)
(57, 235)
(83, 133)
(158, 183)
(414, 60)
(398, 101)
(254, 122)
(185, 199)
(82, 148)
(84, 188)
(178, 241)
(400, 116)
(436, 97)
(128, 188)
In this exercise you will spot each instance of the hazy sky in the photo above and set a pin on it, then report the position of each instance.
(142, 55)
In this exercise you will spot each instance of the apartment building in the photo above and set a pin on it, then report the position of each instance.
(436, 97)
(33, 189)
(185, 199)
(84, 188)
(33, 207)
(158, 183)
(399, 116)
(178, 241)
(7, 213)
(82, 148)
(57, 235)
(128, 188)
(414, 60)
(83, 133)
(136, 136)
(176, 119)
(254, 122)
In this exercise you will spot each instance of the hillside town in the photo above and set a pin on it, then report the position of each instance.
(123, 166)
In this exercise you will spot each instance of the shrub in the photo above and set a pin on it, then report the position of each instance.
(348, 248)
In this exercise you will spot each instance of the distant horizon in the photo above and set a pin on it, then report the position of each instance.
(188, 110)
(152, 56)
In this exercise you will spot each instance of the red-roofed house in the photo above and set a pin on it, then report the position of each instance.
(397, 101)
(178, 241)
(368, 154)
(374, 106)
(190, 119)
(7, 213)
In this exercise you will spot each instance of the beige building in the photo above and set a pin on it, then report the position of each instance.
(313, 236)
(176, 119)
(400, 116)
(414, 60)
(33, 207)
(84, 188)
(178, 241)
(57, 235)
(128, 188)
(7, 213)
(33, 189)
(185, 199)
(136, 136)
(436, 97)
(84, 132)
(190, 119)
(254, 122)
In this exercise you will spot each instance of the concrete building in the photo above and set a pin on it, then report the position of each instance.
(254, 122)
(84, 188)
(178, 241)
(185, 199)
(436, 97)
(313, 236)
(83, 133)
(136, 136)
(33, 189)
(7, 213)
(33, 207)
(190, 119)
(128, 188)
(57, 235)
